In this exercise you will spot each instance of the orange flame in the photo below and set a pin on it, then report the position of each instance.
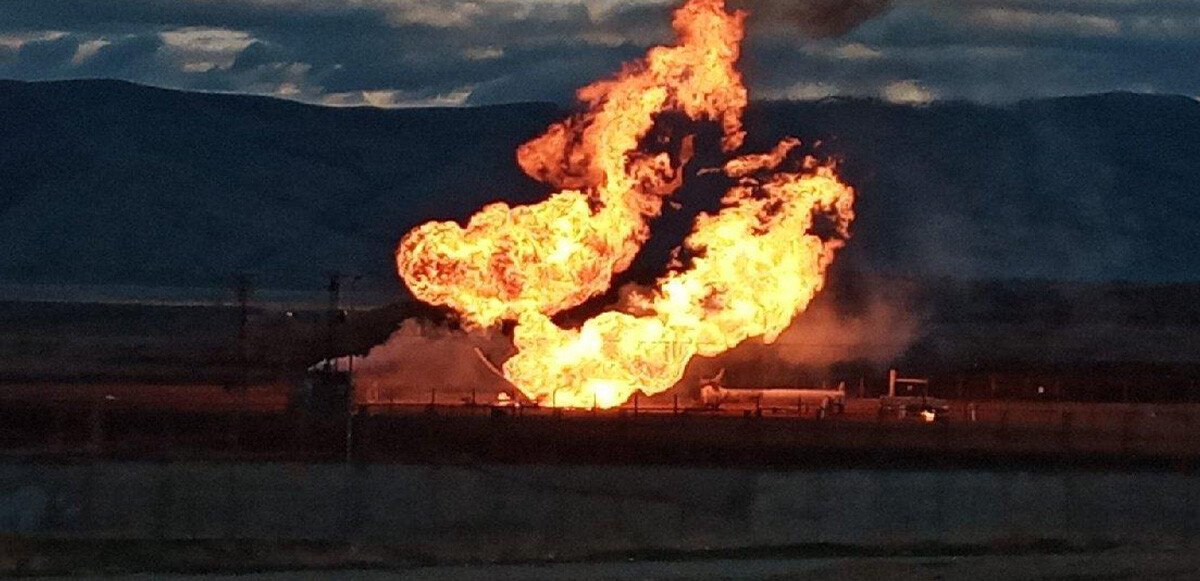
(555, 255)
(757, 262)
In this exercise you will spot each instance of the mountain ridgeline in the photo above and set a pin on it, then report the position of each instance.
(106, 182)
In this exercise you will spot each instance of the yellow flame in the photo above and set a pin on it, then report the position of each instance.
(756, 262)
(555, 255)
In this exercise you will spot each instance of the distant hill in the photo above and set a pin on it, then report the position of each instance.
(106, 182)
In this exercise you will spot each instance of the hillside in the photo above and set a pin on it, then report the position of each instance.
(105, 182)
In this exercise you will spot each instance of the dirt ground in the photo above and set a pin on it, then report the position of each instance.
(1165, 564)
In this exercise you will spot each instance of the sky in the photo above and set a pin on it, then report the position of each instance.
(398, 53)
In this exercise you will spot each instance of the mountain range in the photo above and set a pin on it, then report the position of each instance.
(106, 182)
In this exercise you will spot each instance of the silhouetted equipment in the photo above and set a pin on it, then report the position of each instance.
(325, 392)
(714, 395)
(908, 383)
(920, 407)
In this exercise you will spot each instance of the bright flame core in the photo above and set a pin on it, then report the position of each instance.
(756, 263)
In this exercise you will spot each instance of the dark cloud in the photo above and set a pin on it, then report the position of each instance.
(531, 76)
(50, 56)
(488, 51)
(818, 18)
(131, 55)
(258, 54)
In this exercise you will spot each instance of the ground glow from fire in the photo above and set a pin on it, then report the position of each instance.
(756, 263)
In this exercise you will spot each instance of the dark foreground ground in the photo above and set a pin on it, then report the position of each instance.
(1099, 382)
(304, 521)
(196, 561)
(1109, 449)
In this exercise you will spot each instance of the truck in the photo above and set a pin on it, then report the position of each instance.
(915, 402)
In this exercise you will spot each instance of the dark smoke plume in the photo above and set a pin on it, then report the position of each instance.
(817, 18)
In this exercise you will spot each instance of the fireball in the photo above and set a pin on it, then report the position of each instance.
(755, 263)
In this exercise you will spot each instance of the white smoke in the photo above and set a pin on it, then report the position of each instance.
(422, 361)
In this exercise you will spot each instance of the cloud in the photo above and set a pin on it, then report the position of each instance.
(857, 51)
(417, 51)
(444, 14)
(125, 57)
(817, 18)
(205, 49)
(907, 92)
(1053, 23)
(87, 49)
(50, 54)
(394, 99)
(803, 91)
(483, 53)
(14, 41)
(208, 40)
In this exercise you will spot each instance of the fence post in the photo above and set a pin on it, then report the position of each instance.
(233, 432)
(350, 435)
(91, 520)
(96, 429)
(232, 506)
(1127, 430)
(354, 507)
(1187, 424)
(56, 442)
(164, 495)
(1065, 431)
(1193, 509)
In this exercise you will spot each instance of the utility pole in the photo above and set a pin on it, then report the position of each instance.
(332, 317)
(243, 288)
(335, 317)
(333, 374)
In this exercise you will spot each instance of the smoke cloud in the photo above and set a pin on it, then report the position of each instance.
(423, 360)
(817, 18)
(847, 332)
